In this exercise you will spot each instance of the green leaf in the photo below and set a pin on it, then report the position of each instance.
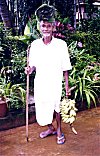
(91, 95)
(76, 92)
(80, 86)
(87, 98)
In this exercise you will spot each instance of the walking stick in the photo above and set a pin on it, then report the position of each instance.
(27, 94)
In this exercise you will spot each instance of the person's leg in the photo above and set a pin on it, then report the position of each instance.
(60, 135)
(50, 131)
(58, 120)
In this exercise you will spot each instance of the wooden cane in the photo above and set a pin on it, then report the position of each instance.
(27, 94)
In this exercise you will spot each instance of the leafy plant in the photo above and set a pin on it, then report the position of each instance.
(90, 42)
(81, 77)
(86, 89)
(13, 94)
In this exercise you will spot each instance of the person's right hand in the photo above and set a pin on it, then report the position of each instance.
(28, 70)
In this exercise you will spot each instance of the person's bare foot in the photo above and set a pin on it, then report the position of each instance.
(48, 133)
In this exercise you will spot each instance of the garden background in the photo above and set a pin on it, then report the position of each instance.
(18, 28)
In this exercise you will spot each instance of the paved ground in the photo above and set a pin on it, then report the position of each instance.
(85, 143)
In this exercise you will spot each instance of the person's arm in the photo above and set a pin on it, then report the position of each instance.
(29, 70)
(30, 59)
(66, 83)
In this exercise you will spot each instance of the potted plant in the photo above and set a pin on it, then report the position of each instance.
(3, 107)
(3, 102)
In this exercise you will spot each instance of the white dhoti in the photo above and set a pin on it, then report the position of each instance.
(47, 95)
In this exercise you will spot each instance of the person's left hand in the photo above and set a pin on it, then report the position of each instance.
(68, 93)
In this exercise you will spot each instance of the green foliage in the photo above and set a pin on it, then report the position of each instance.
(90, 42)
(13, 94)
(86, 89)
(13, 54)
(31, 29)
(79, 57)
(62, 20)
(83, 74)
(4, 49)
(13, 78)
(17, 60)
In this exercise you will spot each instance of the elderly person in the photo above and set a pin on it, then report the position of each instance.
(50, 58)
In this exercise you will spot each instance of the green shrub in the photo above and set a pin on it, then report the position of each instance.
(82, 76)
(13, 94)
(90, 42)
(86, 88)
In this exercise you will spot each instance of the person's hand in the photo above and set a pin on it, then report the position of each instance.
(68, 93)
(28, 70)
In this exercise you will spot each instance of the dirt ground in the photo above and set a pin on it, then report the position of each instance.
(85, 143)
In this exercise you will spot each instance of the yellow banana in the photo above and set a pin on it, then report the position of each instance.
(68, 110)
(67, 120)
(72, 119)
(72, 113)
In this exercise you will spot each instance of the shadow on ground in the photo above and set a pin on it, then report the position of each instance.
(85, 143)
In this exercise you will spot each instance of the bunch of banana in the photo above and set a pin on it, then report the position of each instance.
(68, 112)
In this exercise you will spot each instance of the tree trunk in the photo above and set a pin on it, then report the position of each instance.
(4, 12)
(75, 14)
(81, 20)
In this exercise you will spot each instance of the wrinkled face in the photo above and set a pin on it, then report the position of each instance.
(46, 28)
